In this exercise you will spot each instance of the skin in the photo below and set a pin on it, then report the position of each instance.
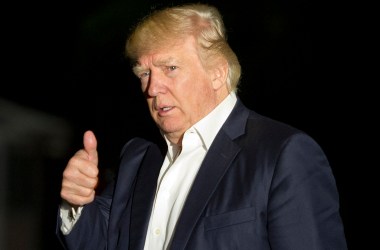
(178, 89)
(179, 92)
(80, 176)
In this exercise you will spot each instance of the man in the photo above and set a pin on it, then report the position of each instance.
(229, 179)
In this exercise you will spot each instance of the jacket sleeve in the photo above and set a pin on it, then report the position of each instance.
(91, 231)
(303, 206)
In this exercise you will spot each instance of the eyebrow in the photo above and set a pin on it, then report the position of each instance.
(167, 61)
(138, 68)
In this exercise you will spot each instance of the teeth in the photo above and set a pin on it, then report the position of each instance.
(166, 108)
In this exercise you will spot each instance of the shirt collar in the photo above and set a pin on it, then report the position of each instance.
(209, 126)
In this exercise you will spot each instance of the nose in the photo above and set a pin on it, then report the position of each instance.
(156, 84)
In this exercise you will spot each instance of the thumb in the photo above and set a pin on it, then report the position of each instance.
(90, 144)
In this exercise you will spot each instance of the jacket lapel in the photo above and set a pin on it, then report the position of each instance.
(132, 155)
(217, 161)
(143, 197)
(133, 194)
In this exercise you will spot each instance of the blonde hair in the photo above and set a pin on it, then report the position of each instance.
(162, 28)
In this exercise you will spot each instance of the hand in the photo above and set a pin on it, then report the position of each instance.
(80, 176)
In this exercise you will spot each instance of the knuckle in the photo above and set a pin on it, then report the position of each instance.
(93, 182)
(88, 192)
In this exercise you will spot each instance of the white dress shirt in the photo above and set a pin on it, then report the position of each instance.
(178, 173)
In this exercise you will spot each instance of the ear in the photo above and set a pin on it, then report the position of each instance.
(219, 75)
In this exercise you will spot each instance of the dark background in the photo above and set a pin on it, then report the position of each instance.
(64, 72)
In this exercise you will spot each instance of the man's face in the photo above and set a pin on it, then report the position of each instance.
(178, 89)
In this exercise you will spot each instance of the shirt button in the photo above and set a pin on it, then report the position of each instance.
(157, 231)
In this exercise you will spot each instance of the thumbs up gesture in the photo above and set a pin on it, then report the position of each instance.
(80, 176)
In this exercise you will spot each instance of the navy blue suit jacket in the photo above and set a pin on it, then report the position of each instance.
(262, 185)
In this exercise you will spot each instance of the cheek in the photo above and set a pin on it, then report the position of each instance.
(195, 98)
(200, 101)
(143, 85)
(150, 103)
(205, 100)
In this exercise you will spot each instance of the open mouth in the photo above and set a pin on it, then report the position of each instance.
(166, 108)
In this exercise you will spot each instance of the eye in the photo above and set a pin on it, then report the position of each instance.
(144, 74)
(172, 68)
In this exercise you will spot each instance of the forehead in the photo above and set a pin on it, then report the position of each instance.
(177, 51)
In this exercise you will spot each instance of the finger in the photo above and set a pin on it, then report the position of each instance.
(78, 200)
(80, 177)
(90, 145)
(79, 164)
(71, 189)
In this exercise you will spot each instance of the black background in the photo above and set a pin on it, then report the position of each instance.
(65, 58)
